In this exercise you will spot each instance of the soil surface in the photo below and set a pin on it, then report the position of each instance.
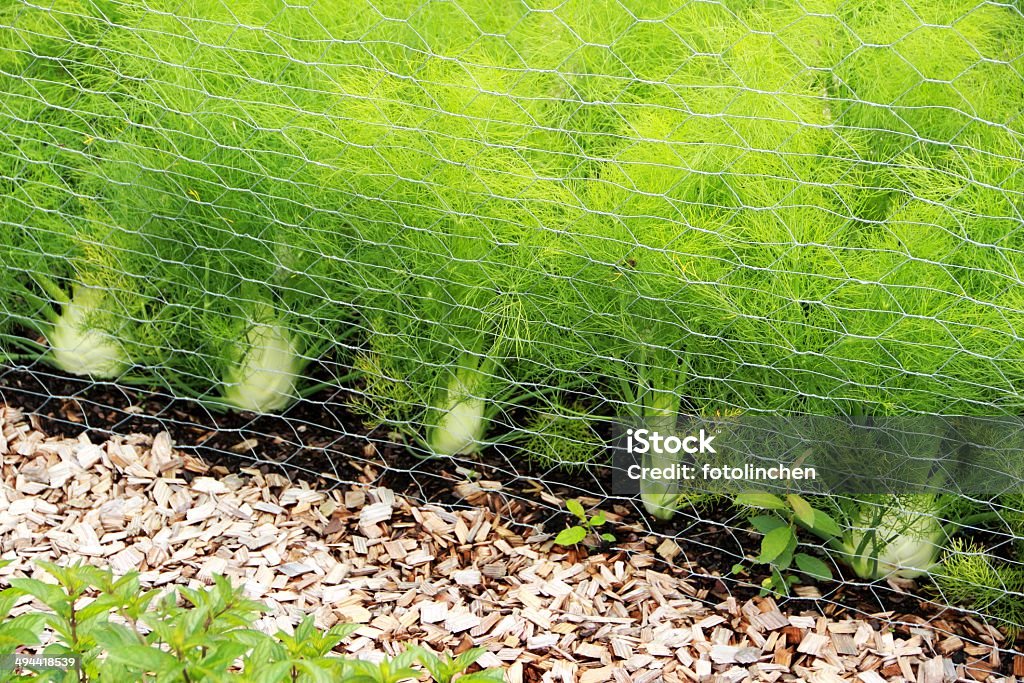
(319, 441)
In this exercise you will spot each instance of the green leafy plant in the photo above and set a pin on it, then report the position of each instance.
(563, 436)
(971, 576)
(894, 81)
(54, 279)
(456, 340)
(445, 668)
(232, 222)
(117, 631)
(876, 536)
(588, 526)
(780, 538)
(989, 576)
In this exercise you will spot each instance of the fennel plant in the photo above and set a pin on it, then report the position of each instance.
(53, 264)
(927, 76)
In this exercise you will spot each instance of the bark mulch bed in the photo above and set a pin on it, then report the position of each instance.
(449, 579)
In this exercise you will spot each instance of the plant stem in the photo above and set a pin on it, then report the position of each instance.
(980, 518)
(45, 306)
(73, 622)
(51, 288)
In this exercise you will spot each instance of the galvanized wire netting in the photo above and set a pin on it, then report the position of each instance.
(487, 232)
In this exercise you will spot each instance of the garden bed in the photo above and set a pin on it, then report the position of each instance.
(446, 577)
(351, 308)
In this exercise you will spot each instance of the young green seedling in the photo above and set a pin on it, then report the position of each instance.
(588, 526)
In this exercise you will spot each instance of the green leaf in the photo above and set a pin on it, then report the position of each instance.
(433, 664)
(486, 676)
(823, 523)
(142, 658)
(8, 598)
(766, 523)
(316, 672)
(15, 636)
(598, 520)
(264, 653)
(305, 628)
(249, 637)
(99, 607)
(33, 621)
(610, 538)
(764, 501)
(110, 636)
(576, 508)
(814, 567)
(802, 509)
(786, 558)
(50, 595)
(344, 630)
(274, 672)
(221, 656)
(468, 658)
(779, 582)
(775, 543)
(571, 536)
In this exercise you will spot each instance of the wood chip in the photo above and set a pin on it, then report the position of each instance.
(813, 644)
(374, 514)
(467, 577)
(669, 549)
(433, 612)
(293, 569)
(978, 669)
(599, 675)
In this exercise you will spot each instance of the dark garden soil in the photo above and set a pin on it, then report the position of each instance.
(319, 440)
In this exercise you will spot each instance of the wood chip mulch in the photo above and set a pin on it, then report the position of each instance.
(448, 579)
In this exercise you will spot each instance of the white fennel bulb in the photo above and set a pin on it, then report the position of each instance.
(78, 346)
(461, 429)
(264, 378)
(461, 422)
(660, 497)
(906, 544)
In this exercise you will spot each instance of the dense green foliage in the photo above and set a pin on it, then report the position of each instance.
(508, 222)
(118, 632)
(677, 210)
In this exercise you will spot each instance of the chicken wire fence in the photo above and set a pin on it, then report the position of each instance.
(468, 238)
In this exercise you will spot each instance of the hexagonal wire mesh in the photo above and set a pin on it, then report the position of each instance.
(485, 231)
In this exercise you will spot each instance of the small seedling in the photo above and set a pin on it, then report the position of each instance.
(587, 526)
